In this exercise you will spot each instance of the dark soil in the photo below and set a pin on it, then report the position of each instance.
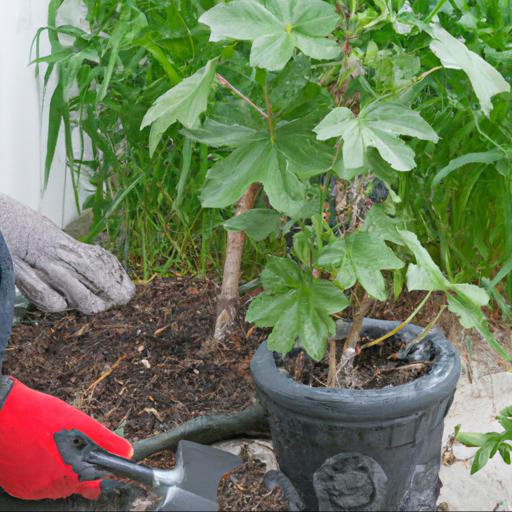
(244, 490)
(146, 368)
(143, 368)
(374, 367)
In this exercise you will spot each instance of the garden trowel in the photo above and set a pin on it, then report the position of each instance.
(191, 485)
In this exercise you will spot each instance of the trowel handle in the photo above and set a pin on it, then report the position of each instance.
(122, 467)
(89, 460)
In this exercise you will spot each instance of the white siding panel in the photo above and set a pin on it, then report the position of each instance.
(23, 123)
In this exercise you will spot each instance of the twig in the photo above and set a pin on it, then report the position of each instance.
(91, 388)
(162, 330)
(407, 366)
(241, 95)
(299, 367)
(332, 379)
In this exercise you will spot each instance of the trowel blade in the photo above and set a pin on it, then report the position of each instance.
(201, 469)
(180, 500)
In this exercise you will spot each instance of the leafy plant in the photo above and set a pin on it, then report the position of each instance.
(110, 69)
(464, 186)
(275, 29)
(376, 130)
(293, 107)
(490, 443)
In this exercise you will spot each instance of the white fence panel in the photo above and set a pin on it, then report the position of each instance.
(23, 121)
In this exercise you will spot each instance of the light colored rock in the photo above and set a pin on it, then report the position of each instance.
(260, 449)
(475, 408)
(56, 272)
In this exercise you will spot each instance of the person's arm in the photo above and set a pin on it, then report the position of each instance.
(56, 272)
(7, 297)
(31, 467)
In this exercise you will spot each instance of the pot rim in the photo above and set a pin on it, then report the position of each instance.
(354, 405)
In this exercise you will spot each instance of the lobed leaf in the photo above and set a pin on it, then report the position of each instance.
(378, 126)
(454, 54)
(361, 256)
(276, 27)
(297, 306)
(278, 166)
(184, 103)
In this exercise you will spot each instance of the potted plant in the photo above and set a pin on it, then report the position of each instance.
(315, 117)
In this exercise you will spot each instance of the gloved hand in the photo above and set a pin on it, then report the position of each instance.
(31, 467)
(56, 272)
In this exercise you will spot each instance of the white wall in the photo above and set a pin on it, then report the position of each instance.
(22, 120)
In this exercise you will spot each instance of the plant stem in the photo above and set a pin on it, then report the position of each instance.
(227, 302)
(299, 367)
(269, 118)
(238, 93)
(332, 377)
(399, 327)
(349, 348)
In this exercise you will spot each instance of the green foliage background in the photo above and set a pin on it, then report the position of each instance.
(457, 199)
(109, 73)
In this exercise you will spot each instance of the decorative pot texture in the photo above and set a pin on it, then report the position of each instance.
(376, 449)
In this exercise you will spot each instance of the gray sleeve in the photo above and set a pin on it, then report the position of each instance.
(7, 296)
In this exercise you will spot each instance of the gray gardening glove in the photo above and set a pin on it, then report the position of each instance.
(56, 272)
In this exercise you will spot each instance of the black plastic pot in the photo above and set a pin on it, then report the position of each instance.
(376, 449)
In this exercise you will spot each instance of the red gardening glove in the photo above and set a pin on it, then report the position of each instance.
(31, 467)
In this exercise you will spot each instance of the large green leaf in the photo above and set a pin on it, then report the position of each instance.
(276, 27)
(280, 274)
(382, 225)
(369, 255)
(361, 256)
(454, 54)
(378, 126)
(258, 223)
(306, 156)
(184, 103)
(464, 300)
(278, 166)
(425, 275)
(217, 134)
(297, 306)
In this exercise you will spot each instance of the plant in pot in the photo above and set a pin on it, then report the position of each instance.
(327, 98)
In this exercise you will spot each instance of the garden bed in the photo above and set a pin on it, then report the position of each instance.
(148, 367)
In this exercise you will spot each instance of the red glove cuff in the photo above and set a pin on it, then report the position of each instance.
(31, 467)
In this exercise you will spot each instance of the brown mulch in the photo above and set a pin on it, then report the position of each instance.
(142, 368)
(147, 367)
(244, 490)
